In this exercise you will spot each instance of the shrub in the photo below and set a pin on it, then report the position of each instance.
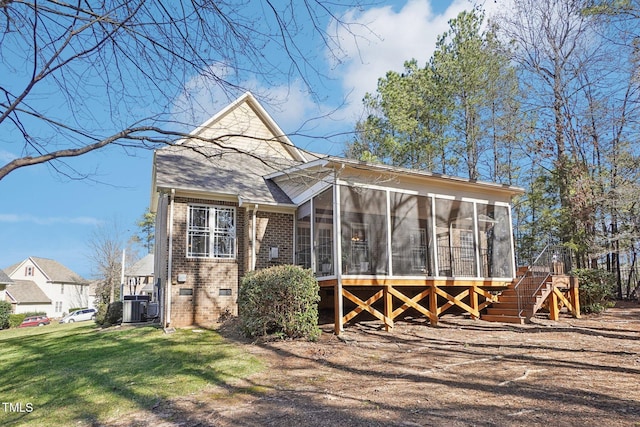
(281, 300)
(114, 313)
(5, 311)
(597, 289)
(35, 313)
(101, 313)
(16, 319)
(109, 314)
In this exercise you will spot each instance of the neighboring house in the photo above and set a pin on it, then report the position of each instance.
(63, 288)
(93, 293)
(239, 196)
(4, 281)
(138, 278)
(26, 297)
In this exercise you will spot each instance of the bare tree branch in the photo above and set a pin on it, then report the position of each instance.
(78, 77)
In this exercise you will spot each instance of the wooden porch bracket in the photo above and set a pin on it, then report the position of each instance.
(366, 306)
(456, 301)
(557, 297)
(429, 294)
(412, 303)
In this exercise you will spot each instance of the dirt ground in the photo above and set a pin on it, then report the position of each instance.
(575, 372)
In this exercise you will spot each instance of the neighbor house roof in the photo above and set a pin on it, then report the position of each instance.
(143, 267)
(57, 272)
(53, 270)
(26, 292)
(4, 278)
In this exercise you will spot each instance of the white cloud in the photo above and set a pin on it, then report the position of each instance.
(6, 157)
(382, 39)
(20, 218)
(289, 103)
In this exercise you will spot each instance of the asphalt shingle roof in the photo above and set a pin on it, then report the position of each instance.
(143, 267)
(215, 171)
(57, 272)
(27, 292)
(4, 279)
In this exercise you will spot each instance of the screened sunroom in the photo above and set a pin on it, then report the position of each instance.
(388, 233)
(381, 236)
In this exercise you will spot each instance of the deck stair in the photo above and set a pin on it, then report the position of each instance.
(509, 309)
(542, 282)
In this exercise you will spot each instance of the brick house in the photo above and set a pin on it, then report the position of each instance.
(238, 195)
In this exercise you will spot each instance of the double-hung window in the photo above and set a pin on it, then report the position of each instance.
(211, 232)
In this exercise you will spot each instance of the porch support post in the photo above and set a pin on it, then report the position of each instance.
(169, 281)
(338, 306)
(554, 313)
(389, 245)
(254, 228)
(513, 245)
(388, 307)
(433, 305)
(574, 296)
(473, 301)
(476, 244)
(434, 247)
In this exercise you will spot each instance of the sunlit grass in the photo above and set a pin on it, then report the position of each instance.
(74, 373)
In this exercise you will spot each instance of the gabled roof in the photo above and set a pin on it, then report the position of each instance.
(4, 278)
(12, 268)
(143, 267)
(57, 272)
(26, 292)
(258, 109)
(52, 270)
(229, 155)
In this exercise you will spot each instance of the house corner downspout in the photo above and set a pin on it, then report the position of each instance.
(253, 236)
(167, 318)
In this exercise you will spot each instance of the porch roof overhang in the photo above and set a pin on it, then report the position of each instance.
(339, 163)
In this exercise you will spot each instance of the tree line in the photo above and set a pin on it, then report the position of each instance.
(545, 97)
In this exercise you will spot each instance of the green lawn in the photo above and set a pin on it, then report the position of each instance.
(75, 374)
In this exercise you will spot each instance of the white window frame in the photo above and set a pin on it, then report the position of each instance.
(211, 233)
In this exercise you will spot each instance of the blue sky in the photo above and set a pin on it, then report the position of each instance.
(48, 215)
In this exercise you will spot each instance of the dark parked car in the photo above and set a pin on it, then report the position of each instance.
(79, 315)
(35, 321)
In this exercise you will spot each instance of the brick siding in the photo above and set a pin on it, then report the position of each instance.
(205, 278)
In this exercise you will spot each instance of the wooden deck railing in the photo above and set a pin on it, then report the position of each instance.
(552, 260)
(460, 261)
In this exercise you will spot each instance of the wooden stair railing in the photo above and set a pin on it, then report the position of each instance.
(531, 288)
(521, 300)
(544, 281)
